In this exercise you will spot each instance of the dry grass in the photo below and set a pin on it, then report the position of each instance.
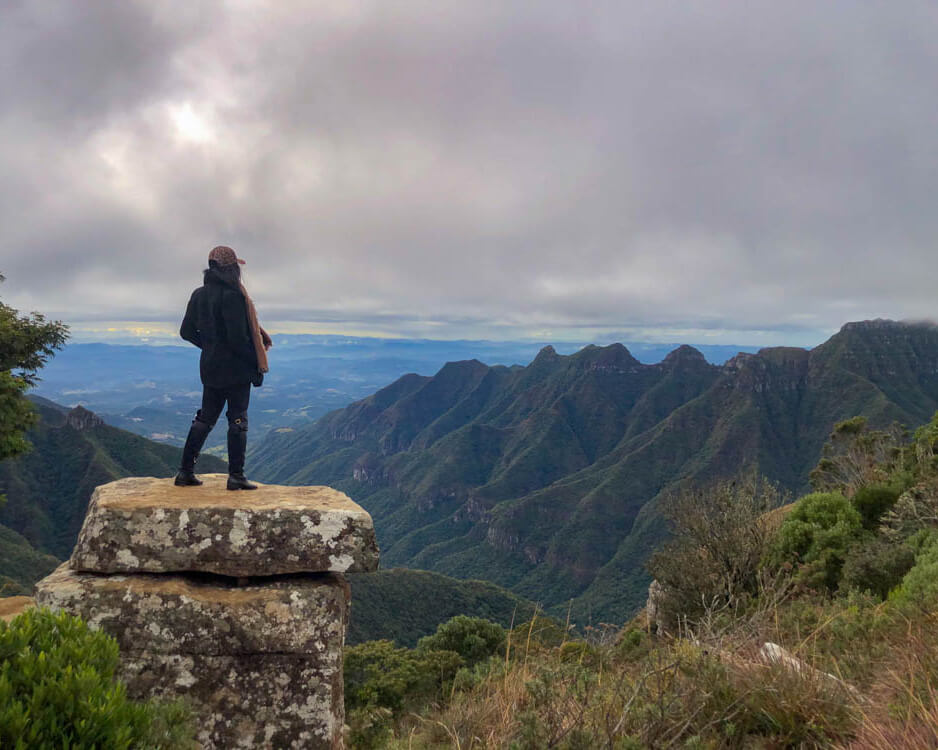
(707, 690)
(868, 678)
(902, 713)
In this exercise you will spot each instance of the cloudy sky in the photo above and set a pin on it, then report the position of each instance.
(738, 172)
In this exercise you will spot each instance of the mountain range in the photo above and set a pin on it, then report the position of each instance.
(155, 390)
(545, 479)
(47, 491)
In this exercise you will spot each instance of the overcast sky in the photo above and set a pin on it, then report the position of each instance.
(739, 172)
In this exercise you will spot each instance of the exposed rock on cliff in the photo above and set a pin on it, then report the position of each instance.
(82, 419)
(259, 655)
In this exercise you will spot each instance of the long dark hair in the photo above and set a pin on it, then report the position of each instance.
(230, 273)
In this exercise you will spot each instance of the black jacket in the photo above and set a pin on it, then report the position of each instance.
(217, 322)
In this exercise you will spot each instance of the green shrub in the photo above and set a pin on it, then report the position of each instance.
(379, 674)
(473, 638)
(538, 633)
(873, 500)
(816, 535)
(57, 689)
(877, 566)
(920, 585)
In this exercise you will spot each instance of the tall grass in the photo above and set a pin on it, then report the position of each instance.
(867, 677)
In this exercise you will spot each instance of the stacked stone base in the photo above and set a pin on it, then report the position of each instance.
(260, 663)
(258, 657)
(248, 700)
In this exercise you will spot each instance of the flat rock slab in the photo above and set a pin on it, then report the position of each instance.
(208, 615)
(149, 525)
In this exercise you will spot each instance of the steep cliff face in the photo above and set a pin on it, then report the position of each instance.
(544, 478)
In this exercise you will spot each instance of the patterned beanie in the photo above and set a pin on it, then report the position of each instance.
(224, 256)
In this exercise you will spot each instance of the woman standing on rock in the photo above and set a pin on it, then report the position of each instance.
(221, 320)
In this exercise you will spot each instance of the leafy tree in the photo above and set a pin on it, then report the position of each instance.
(473, 638)
(380, 674)
(26, 342)
(873, 500)
(57, 689)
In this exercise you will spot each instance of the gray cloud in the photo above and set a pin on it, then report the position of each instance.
(475, 168)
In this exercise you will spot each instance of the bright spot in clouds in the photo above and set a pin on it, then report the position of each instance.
(189, 125)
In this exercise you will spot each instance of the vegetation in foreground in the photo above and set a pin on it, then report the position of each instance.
(845, 580)
(404, 605)
(58, 689)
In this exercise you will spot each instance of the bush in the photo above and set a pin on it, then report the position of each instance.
(816, 535)
(877, 566)
(473, 638)
(916, 509)
(719, 535)
(873, 500)
(539, 633)
(855, 455)
(57, 689)
(920, 585)
(379, 674)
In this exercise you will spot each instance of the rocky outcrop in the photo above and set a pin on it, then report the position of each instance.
(82, 419)
(256, 652)
(143, 525)
(655, 609)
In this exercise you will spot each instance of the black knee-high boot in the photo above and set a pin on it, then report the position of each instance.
(198, 432)
(237, 447)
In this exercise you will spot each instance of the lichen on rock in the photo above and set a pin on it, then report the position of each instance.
(150, 525)
(233, 600)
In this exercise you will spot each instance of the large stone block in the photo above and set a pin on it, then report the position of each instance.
(247, 701)
(186, 614)
(260, 663)
(150, 525)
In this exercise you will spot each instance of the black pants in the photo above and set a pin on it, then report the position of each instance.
(213, 401)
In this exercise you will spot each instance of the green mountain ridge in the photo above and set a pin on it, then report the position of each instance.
(47, 490)
(544, 479)
(404, 605)
(74, 448)
(21, 565)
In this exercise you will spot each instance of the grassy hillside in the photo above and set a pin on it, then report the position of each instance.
(545, 479)
(47, 490)
(811, 627)
(404, 605)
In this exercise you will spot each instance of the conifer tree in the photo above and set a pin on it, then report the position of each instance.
(26, 343)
